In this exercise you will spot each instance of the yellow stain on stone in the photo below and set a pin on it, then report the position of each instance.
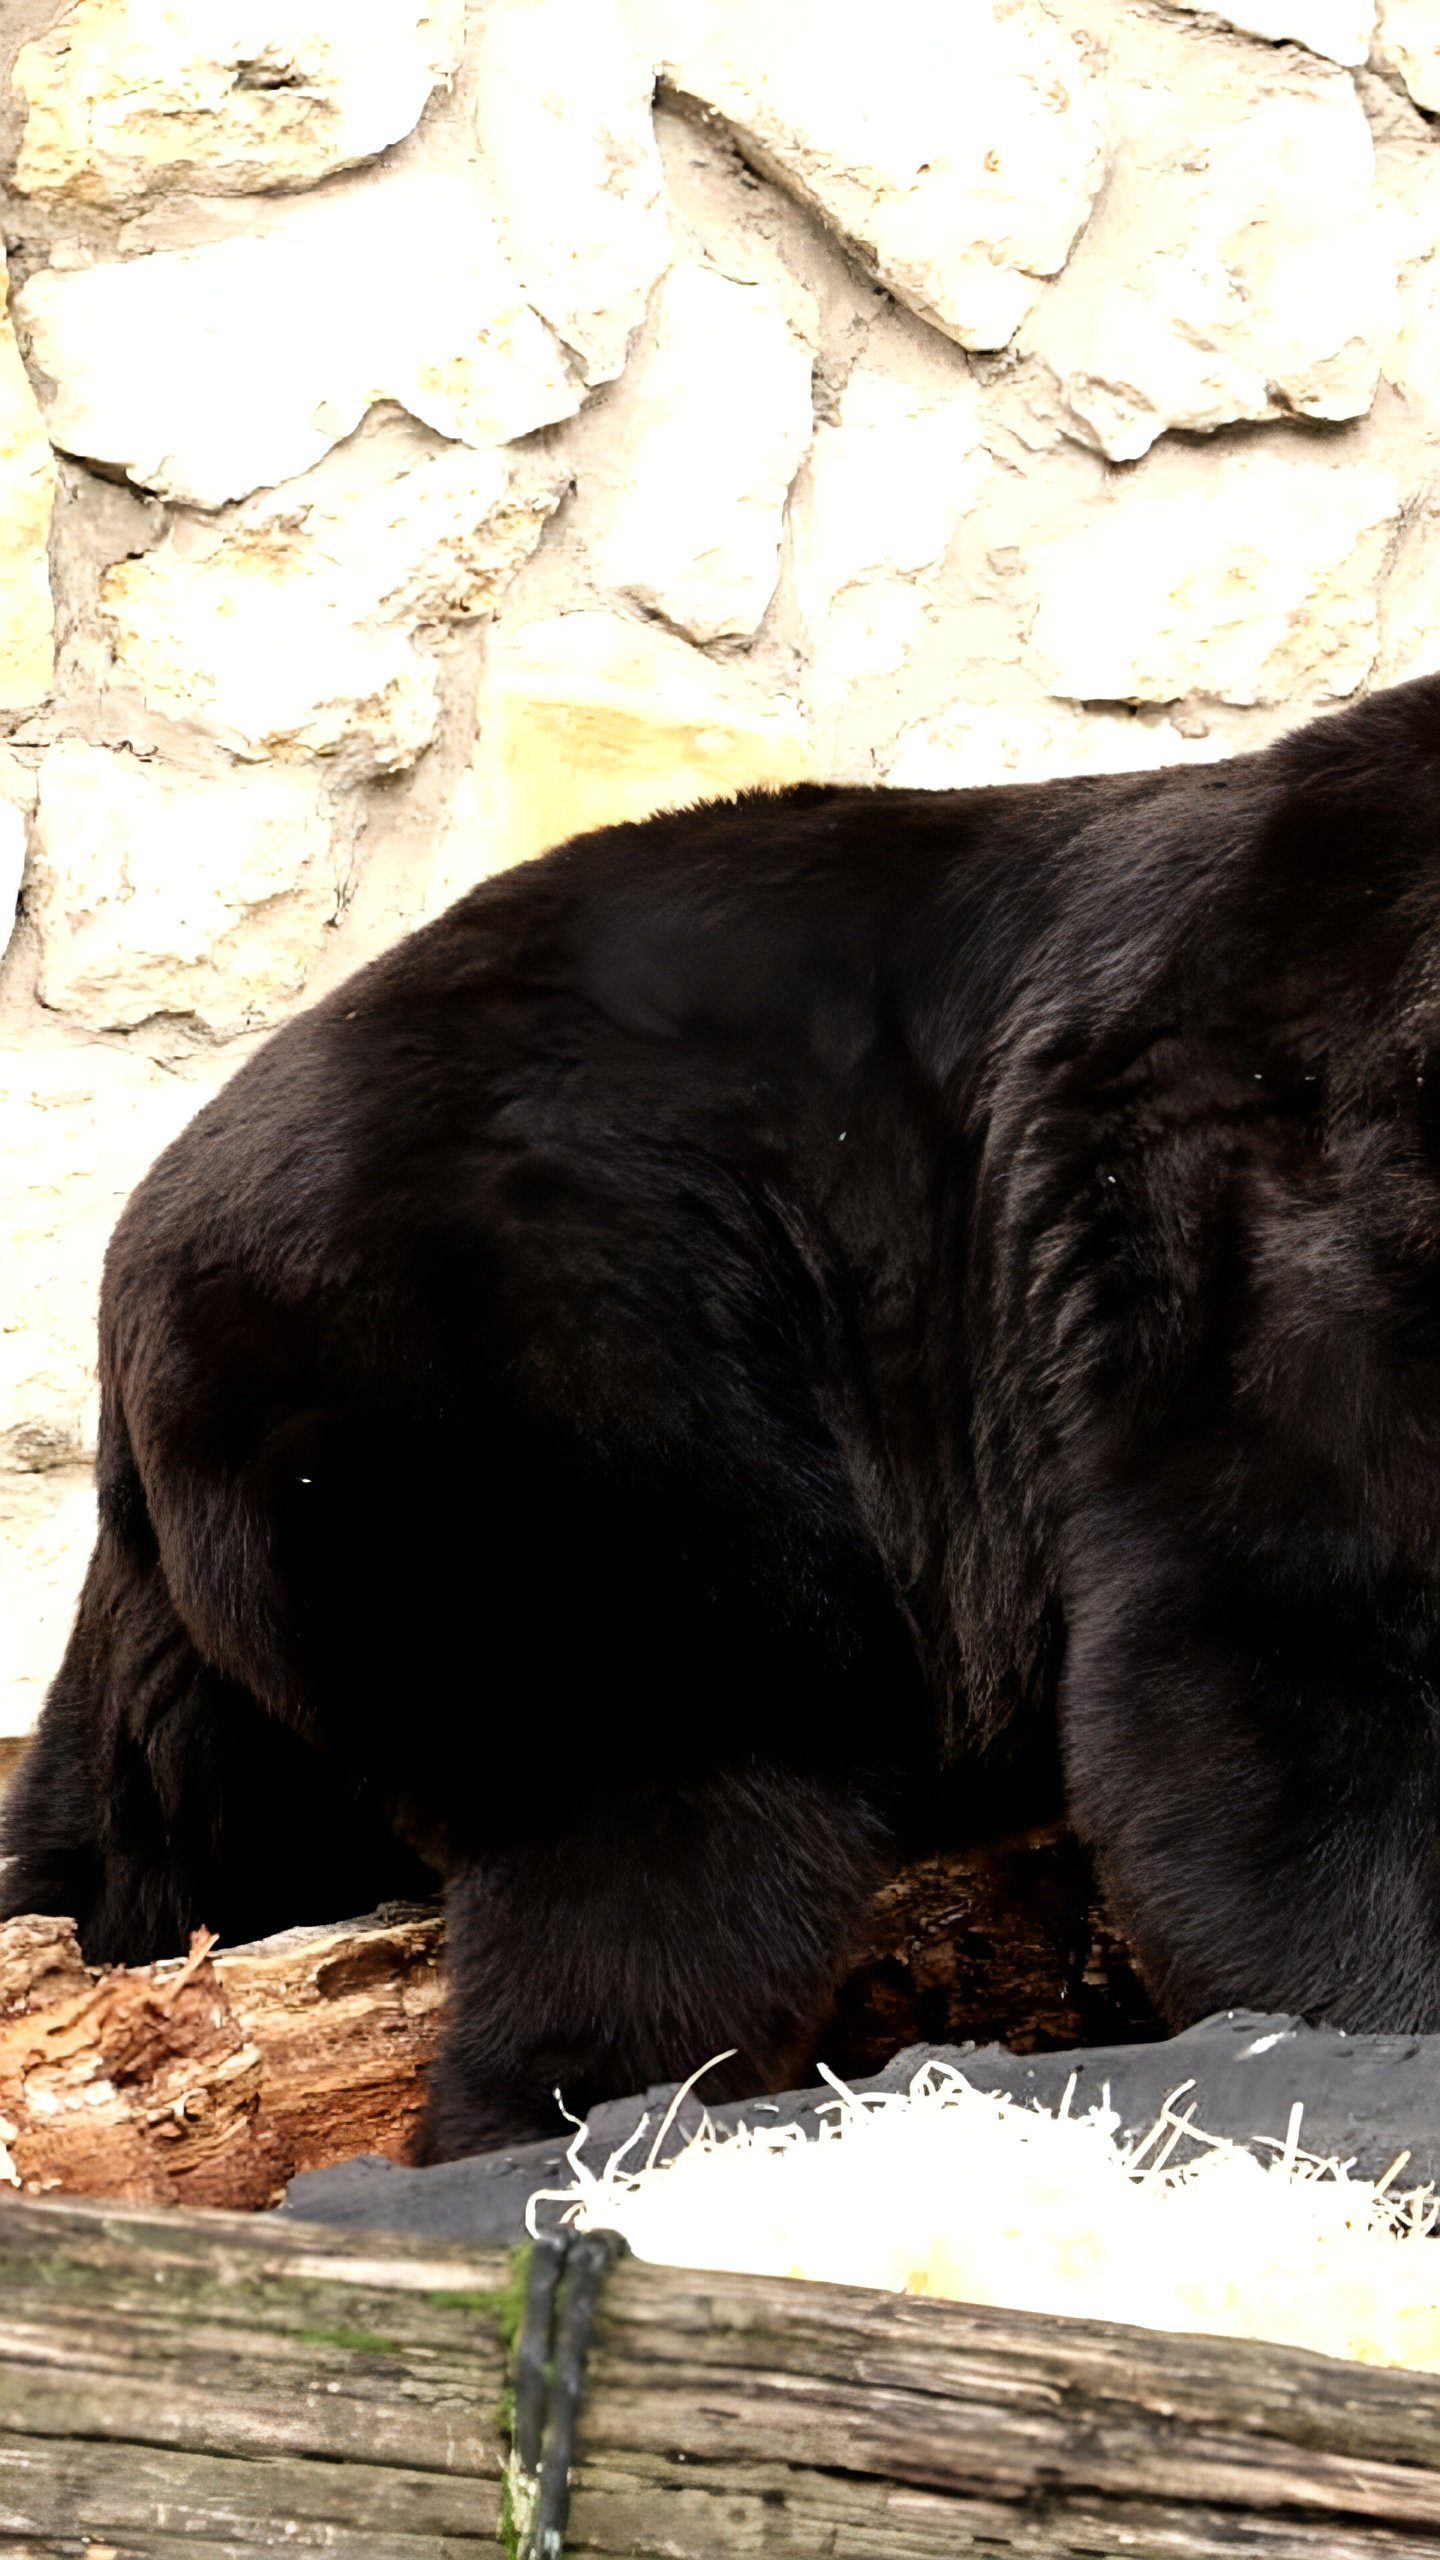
(27, 501)
(587, 720)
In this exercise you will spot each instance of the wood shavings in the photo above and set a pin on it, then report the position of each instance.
(948, 2190)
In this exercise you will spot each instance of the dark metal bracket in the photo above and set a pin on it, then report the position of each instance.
(566, 2272)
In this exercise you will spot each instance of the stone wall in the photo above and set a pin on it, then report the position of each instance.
(428, 427)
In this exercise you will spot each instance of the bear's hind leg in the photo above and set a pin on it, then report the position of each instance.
(1256, 1770)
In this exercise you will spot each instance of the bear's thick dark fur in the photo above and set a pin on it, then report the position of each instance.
(744, 1316)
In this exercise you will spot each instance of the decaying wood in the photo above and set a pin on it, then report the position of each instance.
(1005, 1942)
(212, 2080)
(207, 2383)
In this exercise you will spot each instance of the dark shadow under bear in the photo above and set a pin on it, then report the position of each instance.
(731, 1329)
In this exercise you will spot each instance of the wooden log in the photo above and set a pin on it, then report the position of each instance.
(650, 2510)
(212, 2080)
(208, 2383)
(794, 2418)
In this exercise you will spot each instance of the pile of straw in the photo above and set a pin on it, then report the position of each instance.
(947, 2190)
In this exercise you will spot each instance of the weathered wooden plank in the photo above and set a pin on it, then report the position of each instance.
(985, 2446)
(215, 2383)
(322, 2402)
(993, 2407)
(649, 2508)
(660, 2320)
(233, 2246)
(152, 2544)
(248, 2385)
(125, 2490)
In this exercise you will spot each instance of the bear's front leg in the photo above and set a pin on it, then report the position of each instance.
(641, 1935)
(1252, 1747)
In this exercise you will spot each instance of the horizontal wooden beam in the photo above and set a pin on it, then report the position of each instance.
(211, 2383)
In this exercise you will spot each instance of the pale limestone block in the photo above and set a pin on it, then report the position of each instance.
(157, 891)
(78, 1127)
(975, 743)
(563, 117)
(12, 867)
(889, 481)
(1342, 30)
(722, 214)
(1249, 575)
(47, 1529)
(1410, 625)
(1408, 46)
(127, 98)
(207, 373)
(1237, 267)
(587, 720)
(294, 625)
(1409, 175)
(681, 500)
(957, 150)
(27, 501)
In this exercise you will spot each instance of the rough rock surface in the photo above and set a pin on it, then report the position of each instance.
(587, 720)
(80, 1127)
(958, 152)
(210, 372)
(156, 891)
(47, 1528)
(125, 99)
(1254, 582)
(567, 140)
(1410, 175)
(1244, 278)
(297, 623)
(1408, 45)
(27, 494)
(1341, 29)
(12, 866)
(715, 423)
(1034, 741)
(888, 482)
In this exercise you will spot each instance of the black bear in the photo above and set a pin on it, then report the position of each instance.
(758, 1310)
